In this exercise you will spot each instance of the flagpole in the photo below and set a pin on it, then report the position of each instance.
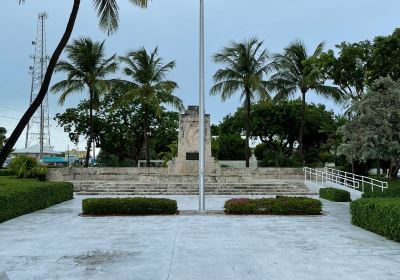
(201, 114)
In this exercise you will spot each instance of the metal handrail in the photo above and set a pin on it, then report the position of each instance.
(363, 180)
(342, 178)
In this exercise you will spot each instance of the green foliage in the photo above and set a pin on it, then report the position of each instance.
(3, 138)
(168, 156)
(148, 86)
(385, 57)
(373, 133)
(231, 147)
(6, 172)
(245, 66)
(392, 191)
(21, 165)
(120, 129)
(334, 194)
(296, 70)
(129, 206)
(276, 125)
(38, 172)
(20, 196)
(274, 206)
(379, 215)
(349, 69)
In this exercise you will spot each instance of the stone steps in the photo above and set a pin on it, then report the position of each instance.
(135, 188)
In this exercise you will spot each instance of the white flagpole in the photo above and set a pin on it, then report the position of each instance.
(202, 114)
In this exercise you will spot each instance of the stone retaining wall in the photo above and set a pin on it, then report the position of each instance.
(134, 173)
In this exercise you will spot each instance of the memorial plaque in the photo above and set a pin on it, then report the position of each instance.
(192, 156)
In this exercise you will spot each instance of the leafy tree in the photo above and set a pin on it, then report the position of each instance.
(119, 129)
(148, 85)
(276, 126)
(385, 57)
(3, 138)
(107, 11)
(297, 70)
(374, 131)
(86, 67)
(231, 147)
(245, 69)
(349, 69)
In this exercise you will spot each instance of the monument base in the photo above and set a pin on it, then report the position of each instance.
(191, 167)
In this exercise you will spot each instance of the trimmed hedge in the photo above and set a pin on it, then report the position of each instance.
(274, 206)
(333, 194)
(129, 206)
(6, 172)
(389, 192)
(379, 215)
(20, 196)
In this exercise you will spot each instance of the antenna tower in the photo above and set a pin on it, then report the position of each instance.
(38, 130)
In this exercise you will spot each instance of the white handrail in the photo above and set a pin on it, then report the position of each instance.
(342, 178)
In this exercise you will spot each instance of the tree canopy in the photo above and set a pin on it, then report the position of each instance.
(374, 129)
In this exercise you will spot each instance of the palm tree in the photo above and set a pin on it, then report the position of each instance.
(86, 67)
(107, 11)
(149, 86)
(296, 70)
(245, 69)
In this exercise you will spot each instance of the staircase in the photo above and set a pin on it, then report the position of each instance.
(158, 181)
(186, 188)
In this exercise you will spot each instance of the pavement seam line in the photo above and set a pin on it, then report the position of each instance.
(173, 250)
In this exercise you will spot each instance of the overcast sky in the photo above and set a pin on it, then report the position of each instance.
(173, 26)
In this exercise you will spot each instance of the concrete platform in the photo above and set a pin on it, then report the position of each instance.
(56, 243)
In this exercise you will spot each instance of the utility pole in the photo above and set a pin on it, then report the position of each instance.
(202, 207)
(38, 129)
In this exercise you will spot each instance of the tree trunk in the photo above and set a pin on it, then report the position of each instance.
(248, 117)
(394, 169)
(44, 87)
(378, 167)
(91, 130)
(302, 121)
(146, 136)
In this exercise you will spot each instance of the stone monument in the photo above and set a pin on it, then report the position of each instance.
(187, 160)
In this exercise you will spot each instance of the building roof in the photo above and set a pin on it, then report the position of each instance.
(35, 149)
(54, 160)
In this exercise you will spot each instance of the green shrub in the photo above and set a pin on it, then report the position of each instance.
(389, 192)
(379, 215)
(129, 206)
(21, 196)
(39, 172)
(21, 165)
(274, 206)
(6, 172)
(336, 195)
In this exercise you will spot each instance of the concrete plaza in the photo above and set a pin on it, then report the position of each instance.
(57, 243)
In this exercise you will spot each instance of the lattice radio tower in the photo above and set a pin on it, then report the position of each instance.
(38, 130)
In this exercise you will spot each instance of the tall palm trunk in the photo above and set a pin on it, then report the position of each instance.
(248, 115)
(302, 121)
(44, 87)
(91, 128)
(146, 135)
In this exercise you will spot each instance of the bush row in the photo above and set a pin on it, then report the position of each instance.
(20, 196)
(333, 194)
(5, 172)
(274, 206)
(379, 215)
(389, 192)
(129, 206)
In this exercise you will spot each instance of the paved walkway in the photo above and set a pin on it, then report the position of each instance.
(58, 244)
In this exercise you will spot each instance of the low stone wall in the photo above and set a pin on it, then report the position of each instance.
(134, 173)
